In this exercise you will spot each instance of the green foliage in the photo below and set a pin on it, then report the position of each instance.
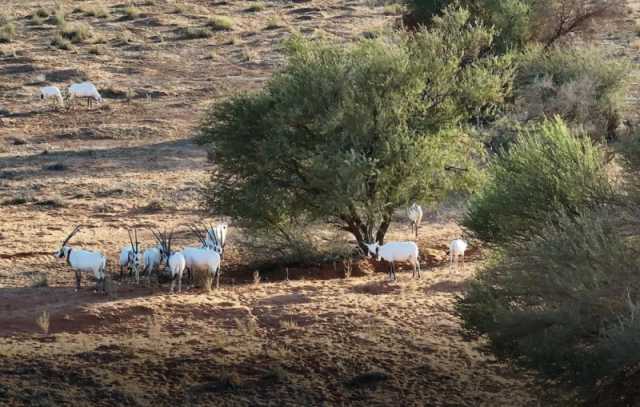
(547, 171)
(347, 134)
(582, 85)
(521, 22)
(565, 300)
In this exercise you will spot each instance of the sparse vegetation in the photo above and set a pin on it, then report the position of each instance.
(132, 12)
(77, 32)
(256, 7)
(60, 42)
(190, 33)
(220, 23)
(7, 32)
(275, 21)
(44, 321)
(98, 10)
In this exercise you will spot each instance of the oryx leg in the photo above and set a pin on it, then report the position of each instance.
(78, 277)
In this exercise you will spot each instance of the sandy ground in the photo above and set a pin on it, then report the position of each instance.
(130, 163)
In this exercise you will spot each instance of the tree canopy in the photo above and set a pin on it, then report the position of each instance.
(347, 134)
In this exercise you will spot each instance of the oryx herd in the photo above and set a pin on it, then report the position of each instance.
(207, 258)
(158, 259)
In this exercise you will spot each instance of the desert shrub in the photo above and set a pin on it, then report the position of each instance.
(77, 33)
(97, 10)
(520, 22)
(565, 300)
(60, 42)
(41, 12)
(7, 32)
(548, 170)
(190, 33)
(220, 23)
(347, 134)
(131, 12)
(273, 22)
(256, 7)
(582, 85)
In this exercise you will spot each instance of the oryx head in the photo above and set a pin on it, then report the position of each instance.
(164, 242)
(373, 250)
(62, 252)
(135, 257)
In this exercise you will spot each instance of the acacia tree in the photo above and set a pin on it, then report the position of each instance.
(348, 134)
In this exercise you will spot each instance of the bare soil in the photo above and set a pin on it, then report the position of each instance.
(318, 339)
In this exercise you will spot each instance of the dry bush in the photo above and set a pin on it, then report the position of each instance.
(191, 33)
(43, 322)
(7, 32)
(60, 42)
(256, 7)
(39, 280)
(202, 279)
(582, 85)
(521, 22)
(220, 23)
(97, 10)
(77, 32)
(132, 12)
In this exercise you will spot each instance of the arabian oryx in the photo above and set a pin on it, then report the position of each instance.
(456, 253)
(414, 213)
(84, 261)
(207, 258)
(175, 262)
(130, 256)
(393, 252)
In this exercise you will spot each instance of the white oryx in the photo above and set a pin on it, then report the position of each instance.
(130, 257)
(456, 252)
(84, 90)
(216, 238)
(393, 252)
(414, 213)
(151, 260)
(207, 258)
(51, 93)
(175, 261)
(84, 261)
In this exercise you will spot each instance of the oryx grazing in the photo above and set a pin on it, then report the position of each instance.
(84, 261)
(175, 262)
(130, 256)
(456, 253)
(208, 257)
(393, 252)
(414, 213)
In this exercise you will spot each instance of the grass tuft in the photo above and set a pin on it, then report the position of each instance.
(77, 33)
(220, 23)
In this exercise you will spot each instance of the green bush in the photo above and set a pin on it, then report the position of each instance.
(546, 171)
(565, 300)
(582, 85)
(520, 22)
(348, 134)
